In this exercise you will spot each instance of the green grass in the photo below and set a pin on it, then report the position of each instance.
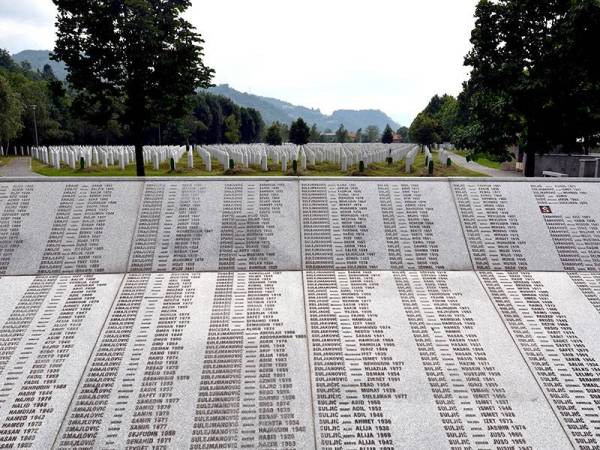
(485, 161)
(461, 152)
(114, 171)
(4, 160)
(325, 169)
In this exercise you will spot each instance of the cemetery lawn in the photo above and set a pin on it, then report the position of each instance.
(484, 160)
(324, 169)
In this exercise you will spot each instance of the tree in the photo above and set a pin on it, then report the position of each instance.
(47, 73)
(403, 133)
(6, 61)
(182, 131)
(36, 93)
(139, 58)
(341, 135)
(535, 79)
(284, 130)
(358, 137)
(273, 136)
(299, 132)
(444, 111)
(388, 135)
(424, 129)
(434, 105)
(447, 117)
(232, 130)
(314, 136)
(372, 134)
(10, 112)
(251, 125)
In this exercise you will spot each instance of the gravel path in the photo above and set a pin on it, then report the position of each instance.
(18, 167)
(461, 161)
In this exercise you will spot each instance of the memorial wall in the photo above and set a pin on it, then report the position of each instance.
(309, 313)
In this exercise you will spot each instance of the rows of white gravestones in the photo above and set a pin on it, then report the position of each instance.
(107, 156)
(286, 156)
(313, 359)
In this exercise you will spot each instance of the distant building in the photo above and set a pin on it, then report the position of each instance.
(328, 137)
(397, 139)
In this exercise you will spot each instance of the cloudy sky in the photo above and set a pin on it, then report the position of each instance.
(391, 55)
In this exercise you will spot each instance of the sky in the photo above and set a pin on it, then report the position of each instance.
(392, 55)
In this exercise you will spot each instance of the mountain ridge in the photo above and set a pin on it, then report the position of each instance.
(271, 109)
(38, 59)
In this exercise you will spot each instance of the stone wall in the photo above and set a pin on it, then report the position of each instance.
(567, 164)
(299, 313)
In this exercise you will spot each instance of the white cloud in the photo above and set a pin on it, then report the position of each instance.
(27, 24)
(385, 54)
(330, 54)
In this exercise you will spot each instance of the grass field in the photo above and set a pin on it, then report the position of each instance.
(489, 163)
(4, 160)
(484, 160)
(325, 169)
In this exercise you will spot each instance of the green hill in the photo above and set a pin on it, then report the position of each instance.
(38, 59)
(273, 109)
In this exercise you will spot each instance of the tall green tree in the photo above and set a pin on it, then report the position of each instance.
(359, 135)
(444, 111)
(273, 136)
(424, 130)
(315, 135)
(284, 130)
(6, 61)
(299, 132)
(373, 134)
(388, 135)
(341, 135)
(447, 117)
(11, 109)
(403, 133)
(232, 130)
(251, 125)
(535, 78)
(139, 58)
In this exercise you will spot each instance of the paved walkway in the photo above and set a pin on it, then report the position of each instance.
(18, 167)
(461, 161)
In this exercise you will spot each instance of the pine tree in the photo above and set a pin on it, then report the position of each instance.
(388, 135)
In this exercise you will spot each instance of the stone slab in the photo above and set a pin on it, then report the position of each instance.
(418, 360)
(48, 327)
(538, 226)
(66, 227)
(558, 332)
(216, 225)
(198, 360)
(381, 225)
(589, 284)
